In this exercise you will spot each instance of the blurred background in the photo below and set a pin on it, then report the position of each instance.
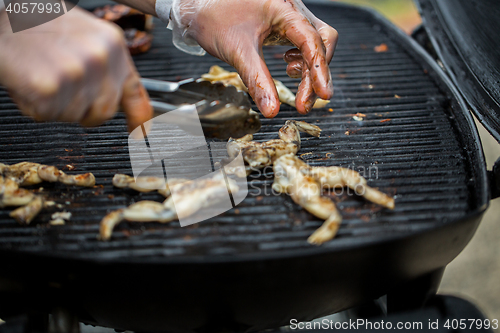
(475, 273)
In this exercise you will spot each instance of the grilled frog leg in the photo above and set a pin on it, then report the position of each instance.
(336, 177)
(108, 223)
(258, 155)
(24, 173)
(145, 184)
(27, 213)
(191, 196)
(306, 192)
(53, 174)
(305, 184)
(142, 211)
(27, 173)
(12, 195)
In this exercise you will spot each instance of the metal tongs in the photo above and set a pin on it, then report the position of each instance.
(223, 111)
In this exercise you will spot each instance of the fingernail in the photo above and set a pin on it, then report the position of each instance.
(268, 107)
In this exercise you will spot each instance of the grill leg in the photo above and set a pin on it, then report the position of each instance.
(414, 294)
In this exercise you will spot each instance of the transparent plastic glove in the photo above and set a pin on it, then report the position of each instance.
(235, 31)
(75, 68)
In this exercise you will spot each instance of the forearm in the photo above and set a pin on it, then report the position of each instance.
(145, 6)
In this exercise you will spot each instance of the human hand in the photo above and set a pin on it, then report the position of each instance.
(235, 31)
(75, 68)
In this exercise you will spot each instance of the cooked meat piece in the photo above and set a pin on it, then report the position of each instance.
(27, 173)
(191, 196)
(145, 184)
(27, 213)
(258, 155)
(288, 97)
(53, 174)
(134, 23)
(138, 41)
(219, 74)
(19, 197)
(306, 192)
(24, 173)
(305, 184)
(7, 185)
(12, 195)
(125, 17)
(166, 191)
(62, 216)
(57, 222)
(335, 177)
(148, 211)
(108, 223)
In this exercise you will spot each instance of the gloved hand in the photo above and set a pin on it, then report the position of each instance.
(234, 31)
(74, 68)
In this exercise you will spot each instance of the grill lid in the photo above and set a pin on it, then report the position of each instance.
(465, 36)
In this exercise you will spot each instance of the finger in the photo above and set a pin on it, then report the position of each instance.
(135, 101)
(104, 106)
(306, 96)
(294, 69)
(310, 44)
(329, 35)
(256, 76)
(293, 58)
(292, 55)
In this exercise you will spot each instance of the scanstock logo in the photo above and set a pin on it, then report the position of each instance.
(26, 14)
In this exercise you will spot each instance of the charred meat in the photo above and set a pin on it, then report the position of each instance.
(135, 24)
(258, 155)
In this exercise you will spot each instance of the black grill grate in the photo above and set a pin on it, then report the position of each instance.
(408, 136)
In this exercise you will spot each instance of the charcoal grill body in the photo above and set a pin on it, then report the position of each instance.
(254, 269)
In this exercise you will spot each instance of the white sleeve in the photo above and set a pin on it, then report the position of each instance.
(2, 5)
(162, 8)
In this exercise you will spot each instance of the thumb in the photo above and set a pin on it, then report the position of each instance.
(135, 101)
(255, 74)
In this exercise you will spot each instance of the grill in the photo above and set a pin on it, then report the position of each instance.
(408, 145)
(251, 268)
